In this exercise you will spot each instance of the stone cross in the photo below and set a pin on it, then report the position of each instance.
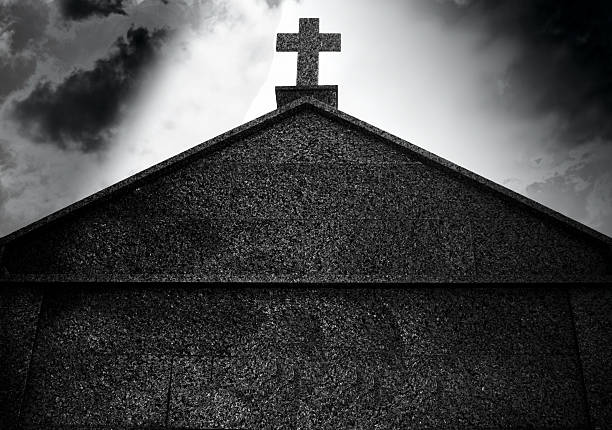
(308, 43)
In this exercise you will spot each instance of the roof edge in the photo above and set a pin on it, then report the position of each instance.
(461, 171)
(209, 145)
(249, 127)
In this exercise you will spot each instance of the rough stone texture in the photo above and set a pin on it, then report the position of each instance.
(308, 43)
(72, 388)
(19, 310)
(10, 404)
(147, 321)
(315, 358)
(308, 197)
(307, 194)
(593, 314)
(344, 390)
(498, 321)
(360, 359)
(327, 94)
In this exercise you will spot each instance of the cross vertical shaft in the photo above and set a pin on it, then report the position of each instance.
(308, 43)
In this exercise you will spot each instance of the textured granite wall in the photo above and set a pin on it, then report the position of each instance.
(306, 198)
(313, 358)
(327, 94)
(19, 312)
(309, 198)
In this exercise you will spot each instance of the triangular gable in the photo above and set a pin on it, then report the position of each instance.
(232, 136)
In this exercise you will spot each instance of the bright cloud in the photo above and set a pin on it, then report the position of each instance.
(402, 68)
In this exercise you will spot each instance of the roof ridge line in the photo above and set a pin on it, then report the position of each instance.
(156, 169)
(254, 124)
(459, 170)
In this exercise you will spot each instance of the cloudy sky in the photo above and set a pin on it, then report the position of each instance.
(93, 91)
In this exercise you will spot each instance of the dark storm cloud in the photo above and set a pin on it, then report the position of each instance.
(270, 3)
(83, 9)
(82, 109)
(22, 24)
(14, 73)
(26, 20)
(562, 191)
(565, 62)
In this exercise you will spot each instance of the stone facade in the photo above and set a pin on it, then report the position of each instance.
(307, 196)
(306, 193)
(327, 94)
(190, 357)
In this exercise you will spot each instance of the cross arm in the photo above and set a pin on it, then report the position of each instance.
(287, 42)
(330, 42)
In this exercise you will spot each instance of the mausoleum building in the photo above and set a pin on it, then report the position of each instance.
(306, 193)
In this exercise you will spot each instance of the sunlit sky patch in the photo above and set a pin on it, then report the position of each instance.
(515, 91)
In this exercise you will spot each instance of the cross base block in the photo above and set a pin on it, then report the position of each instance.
(327, 94)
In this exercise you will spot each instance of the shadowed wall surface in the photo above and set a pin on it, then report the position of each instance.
(313, 358)
(308, 197)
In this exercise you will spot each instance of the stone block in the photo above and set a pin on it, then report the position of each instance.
(495, 320)
(309, 321)
(310, 137)
(96, 390)
(199, 321)
(341, 389)
(292, 190)
(19, 311)
(327, 94)
(84, 244)
(214, 321)
(598, 380)
(302, 249)
(10, 404)
(592, 308)
(139, 321)
(514, 245)
(104, 321)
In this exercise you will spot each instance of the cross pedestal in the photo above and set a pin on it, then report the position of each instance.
(328, 94)
(308, 43)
